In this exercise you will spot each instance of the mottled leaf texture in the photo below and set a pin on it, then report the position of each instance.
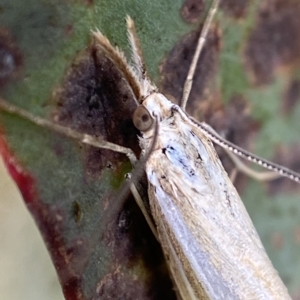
(247, 86)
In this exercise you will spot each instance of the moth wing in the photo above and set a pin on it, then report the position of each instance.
(203, 226)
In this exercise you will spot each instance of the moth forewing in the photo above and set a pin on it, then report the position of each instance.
(202, 224)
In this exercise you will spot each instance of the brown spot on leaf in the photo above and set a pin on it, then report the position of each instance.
(77, 211)
(274, 43)
(89, 2)
(235, 8)
(10, 58)
(68, 30)
(175, 69)
(192, 10)
(291, 97)
(106, 289)
(127, 240)
(125, 220)
(95, 99)
(65, 255)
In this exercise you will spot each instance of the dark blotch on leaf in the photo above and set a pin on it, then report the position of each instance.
(10, 58)
(78, 214)
(192, 10)
(274, 43)
(95, 99)
(89, 2)
(291, 97)
(130, 241)
(234, 8)
(106, 289)
(124, 220)
(175, 68)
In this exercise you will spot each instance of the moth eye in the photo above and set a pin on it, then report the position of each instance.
(142, 119)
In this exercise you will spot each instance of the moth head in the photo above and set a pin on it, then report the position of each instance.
(155, 106)
(142, 119)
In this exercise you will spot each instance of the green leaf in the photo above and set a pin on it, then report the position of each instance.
(246, 86)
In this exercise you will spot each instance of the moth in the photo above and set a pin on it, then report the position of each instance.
(208, 239)
(196, 209)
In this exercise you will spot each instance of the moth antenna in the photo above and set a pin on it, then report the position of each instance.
(138, 61)
(98, 142)
(136, 50)
(201, 41)
(257, 175)
(119, 59)
(217, 139)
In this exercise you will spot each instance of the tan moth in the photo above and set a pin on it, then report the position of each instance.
(183, 167)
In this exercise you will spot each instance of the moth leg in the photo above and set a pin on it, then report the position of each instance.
(98, 142)
(140, 203)
(201, 41)
(233, 174)
(136, 174)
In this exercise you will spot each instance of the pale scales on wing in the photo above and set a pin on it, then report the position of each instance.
(197, 209)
